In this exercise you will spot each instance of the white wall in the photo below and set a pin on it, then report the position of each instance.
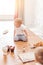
(33, 15)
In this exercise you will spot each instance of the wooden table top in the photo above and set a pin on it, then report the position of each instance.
(13, 59)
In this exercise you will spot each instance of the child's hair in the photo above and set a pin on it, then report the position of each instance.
(19, 20)
(39, 55)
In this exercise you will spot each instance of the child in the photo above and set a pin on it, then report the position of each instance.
(39, 55)
(20, 31)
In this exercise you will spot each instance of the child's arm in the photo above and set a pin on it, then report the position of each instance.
(14, 32)
(26, 32)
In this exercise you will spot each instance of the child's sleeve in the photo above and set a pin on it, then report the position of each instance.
(25, 30)
(24, 27)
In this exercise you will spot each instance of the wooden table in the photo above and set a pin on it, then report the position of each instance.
(13, 59)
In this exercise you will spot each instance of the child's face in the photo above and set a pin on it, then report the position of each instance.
(17, 23)
(39, 55)
(39, 59)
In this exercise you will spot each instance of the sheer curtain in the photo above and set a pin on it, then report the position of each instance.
(19, 10)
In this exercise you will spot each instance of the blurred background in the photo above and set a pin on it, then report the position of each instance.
(31, 11)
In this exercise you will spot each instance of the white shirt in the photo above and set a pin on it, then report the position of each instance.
(38, 64)
(20, 30)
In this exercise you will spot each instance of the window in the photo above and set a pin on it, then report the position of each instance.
(7, 8)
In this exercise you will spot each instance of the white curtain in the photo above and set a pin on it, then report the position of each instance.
(33, 15)
(19, 9)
